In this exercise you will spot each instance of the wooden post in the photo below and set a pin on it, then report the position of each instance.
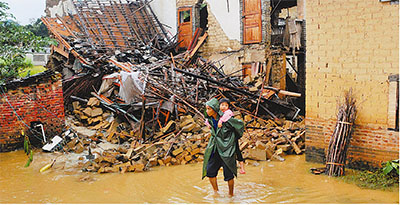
(283, 75)
(268, 70)
(142, 125)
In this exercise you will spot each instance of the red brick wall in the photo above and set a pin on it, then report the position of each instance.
(29, 103)
(369, 147)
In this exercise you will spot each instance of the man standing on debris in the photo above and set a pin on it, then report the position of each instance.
(221, 148)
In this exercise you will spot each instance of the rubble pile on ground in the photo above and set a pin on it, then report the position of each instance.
(149, 100)
(269, 140)
(179, 142)
(174, 150)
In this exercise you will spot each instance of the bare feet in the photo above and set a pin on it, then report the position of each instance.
(242, 171)
(231, 184)
(216, 194)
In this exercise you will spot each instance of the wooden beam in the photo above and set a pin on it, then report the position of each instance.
(268, 70)
(283, 75)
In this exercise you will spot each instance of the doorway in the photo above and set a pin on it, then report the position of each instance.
(185, 32)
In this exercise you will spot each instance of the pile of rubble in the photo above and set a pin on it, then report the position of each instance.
(179, 142)
(148, 101)
(271, 139)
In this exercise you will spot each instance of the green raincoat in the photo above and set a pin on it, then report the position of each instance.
(223, 139)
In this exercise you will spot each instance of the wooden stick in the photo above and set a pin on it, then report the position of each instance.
(259, 98)
(283, 74)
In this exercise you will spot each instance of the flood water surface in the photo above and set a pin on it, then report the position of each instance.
(269, 182)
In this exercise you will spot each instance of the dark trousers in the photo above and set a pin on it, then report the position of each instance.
(215, 163)
(239, 155)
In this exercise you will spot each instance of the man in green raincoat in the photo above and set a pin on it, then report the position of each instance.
(221, 146)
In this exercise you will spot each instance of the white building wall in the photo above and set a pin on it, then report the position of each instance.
(229, 21)
(38, 58)
(165, 11)
(62, 9)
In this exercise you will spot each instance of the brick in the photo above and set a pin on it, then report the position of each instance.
(29, 110)
(368, 150)
(359, 64)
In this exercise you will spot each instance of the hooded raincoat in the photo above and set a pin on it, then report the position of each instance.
(223, 139)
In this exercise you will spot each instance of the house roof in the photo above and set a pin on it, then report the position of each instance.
(33, 79)
(108, 26)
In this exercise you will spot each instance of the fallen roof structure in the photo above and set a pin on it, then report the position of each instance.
(90, 36)
(111, 25)
(125, 82)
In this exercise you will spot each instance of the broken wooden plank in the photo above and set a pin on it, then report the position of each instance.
(199, 43)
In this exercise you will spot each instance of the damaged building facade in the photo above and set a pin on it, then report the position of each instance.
(245, 38)
(134, 82)
(242, 37)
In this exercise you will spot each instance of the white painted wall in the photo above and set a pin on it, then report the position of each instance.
(230, 22)
(165, 11)
(62, 9)
(38, 58)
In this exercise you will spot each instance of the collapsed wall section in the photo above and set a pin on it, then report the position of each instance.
(40, 99)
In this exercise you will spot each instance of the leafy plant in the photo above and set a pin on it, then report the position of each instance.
(391, 167)
(30, 159)
(15, 42)
(27, 149)
(372, 180)
(38, 28)
(3, 14)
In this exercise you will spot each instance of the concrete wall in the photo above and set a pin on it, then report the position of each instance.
(32, 103)
(351, 44)
(165, 11)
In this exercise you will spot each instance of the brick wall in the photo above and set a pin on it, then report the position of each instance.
(28, 101)
(180, 3)
(370, 144)
(217, 40)
(351, 44)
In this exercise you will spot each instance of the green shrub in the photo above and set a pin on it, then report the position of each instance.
(386, 178)
(391, 167)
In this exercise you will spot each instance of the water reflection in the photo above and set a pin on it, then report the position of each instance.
(269, 182)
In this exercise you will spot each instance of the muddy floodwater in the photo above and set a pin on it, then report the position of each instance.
(269, 182)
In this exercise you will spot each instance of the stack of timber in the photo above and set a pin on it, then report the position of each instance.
(340, 140)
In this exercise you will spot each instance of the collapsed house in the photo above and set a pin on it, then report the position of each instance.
(244, 46)
(250, 37)
(129, 80)
(93, 37)
(244, 38)
(132, 72)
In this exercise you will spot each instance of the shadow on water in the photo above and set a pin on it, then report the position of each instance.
(269, 182)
